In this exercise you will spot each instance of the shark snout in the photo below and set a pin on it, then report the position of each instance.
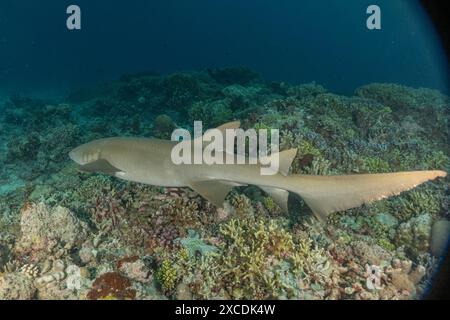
(80, 155)
(73, 155)
(83, 155)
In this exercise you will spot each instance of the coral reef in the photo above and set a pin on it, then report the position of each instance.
(415, 233)
(16, 286)
(71, 235)
(260, 259)
(111, 286)
(163, 126)
(45, 230)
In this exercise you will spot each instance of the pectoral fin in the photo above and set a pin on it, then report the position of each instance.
(280, 197)
(101, 165)
(213, 191)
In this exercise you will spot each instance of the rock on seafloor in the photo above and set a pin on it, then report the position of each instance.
(440, 237)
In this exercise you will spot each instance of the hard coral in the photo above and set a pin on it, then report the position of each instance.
(23, 148)
(212, 113)
(401, 97)
(136, 270)
(44, 229)
(404, 278)
(111, 285)
(415, 234)
(258, 259)
(163, 126)
(167, 275)
(16, 286)
(180, 91)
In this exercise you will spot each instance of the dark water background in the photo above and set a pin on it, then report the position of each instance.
(288, 40)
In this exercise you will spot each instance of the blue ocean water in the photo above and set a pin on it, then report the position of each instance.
(286, 40)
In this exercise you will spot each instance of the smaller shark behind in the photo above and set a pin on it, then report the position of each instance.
(148, 161)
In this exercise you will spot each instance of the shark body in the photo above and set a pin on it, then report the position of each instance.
(148, 161)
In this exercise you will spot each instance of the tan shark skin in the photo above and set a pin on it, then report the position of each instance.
(148, 161)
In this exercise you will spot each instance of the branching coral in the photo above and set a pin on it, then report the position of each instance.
(167, 275)
(259, 259)
(417, 202)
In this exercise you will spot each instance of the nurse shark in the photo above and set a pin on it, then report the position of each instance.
(148, 161)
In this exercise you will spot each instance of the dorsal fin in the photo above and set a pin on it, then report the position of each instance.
(229, 125)
(285, 160)
(223, 128)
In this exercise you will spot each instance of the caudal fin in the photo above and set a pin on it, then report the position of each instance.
(328, 194)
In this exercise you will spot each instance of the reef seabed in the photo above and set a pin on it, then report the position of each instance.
(71, 235)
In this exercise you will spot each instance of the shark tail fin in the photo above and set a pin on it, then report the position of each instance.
(328, 194)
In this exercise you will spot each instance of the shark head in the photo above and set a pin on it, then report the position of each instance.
(86, 153)
(90, 157)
